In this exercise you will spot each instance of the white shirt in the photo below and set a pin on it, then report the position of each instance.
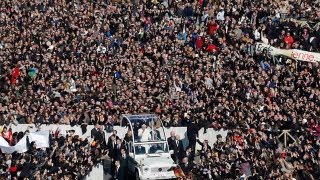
(257, 35)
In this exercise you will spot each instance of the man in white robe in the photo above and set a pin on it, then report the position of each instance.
(144, 133)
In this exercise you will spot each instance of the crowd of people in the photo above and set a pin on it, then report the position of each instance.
(68, 157)
(192, 62)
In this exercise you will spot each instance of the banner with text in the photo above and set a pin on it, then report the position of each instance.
(291, 53)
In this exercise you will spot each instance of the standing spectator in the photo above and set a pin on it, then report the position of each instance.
(192, 133)
(124, 163)
(288, 40)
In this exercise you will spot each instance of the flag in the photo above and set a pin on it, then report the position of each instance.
(41, 138)
(56, 133)
(178, 172)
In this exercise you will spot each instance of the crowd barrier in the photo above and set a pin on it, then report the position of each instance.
(210, 134)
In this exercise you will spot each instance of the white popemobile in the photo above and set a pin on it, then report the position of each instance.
(149, 155)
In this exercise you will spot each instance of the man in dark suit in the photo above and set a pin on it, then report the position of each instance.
(95, 131)
(114, 133)
(124, 162)
(171, 142)
(101, 137)
(118, 171)
(178, 149)
(112, 146)
(118, 147)
(140, 149)
(192, 133)
(171, 139)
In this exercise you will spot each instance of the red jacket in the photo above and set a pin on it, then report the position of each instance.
(212, 28)
(288, 40)
(211, 48)
(199, 43)
(15, 75)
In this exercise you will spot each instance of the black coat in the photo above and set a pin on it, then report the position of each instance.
(192, 131)
(171, 142)
(124, 161)
(117, 151)
(119, 174)
(186, 168)
(26, 170)
(112, 149)
(178, 149)
(94, 133)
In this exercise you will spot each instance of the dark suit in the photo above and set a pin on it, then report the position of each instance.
(177, 147)
(124, 165)
(119, 173)
(109, 139)
(170, 142)
(112, 149)
(192, 133)
(94, 132)
(117, 150)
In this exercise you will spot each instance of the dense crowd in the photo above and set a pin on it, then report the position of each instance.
(192, 62)
(68, 157)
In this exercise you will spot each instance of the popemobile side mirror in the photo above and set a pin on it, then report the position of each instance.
(171, 151)
(131, 154)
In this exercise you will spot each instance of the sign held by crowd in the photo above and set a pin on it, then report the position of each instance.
(291, 53)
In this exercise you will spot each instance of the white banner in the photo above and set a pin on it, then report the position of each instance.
(291, 53)
(40, 138)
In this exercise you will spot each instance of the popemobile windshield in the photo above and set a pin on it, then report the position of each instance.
(149, 155)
